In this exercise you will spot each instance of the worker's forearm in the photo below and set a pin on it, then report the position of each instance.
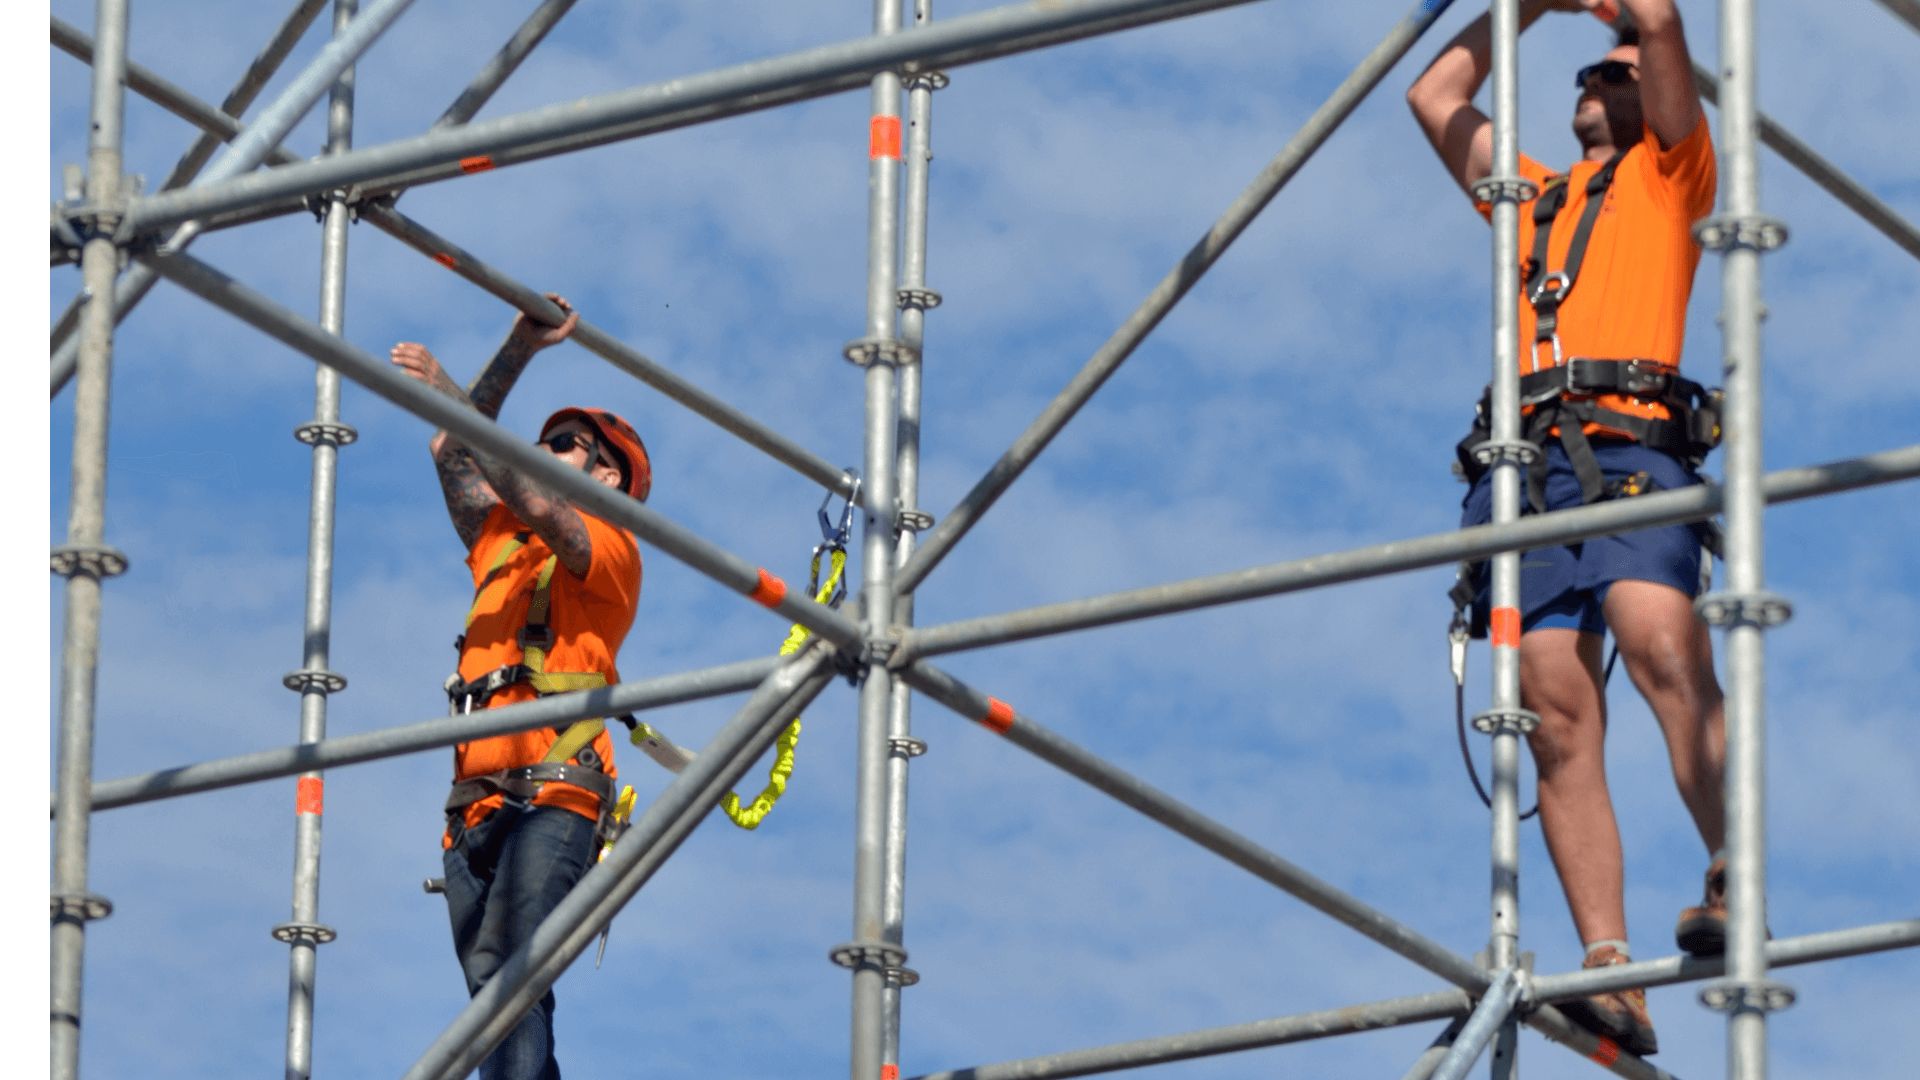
(545, 512)
(491, 387)
(1456, 74)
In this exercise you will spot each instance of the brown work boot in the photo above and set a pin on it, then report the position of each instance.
(1620, 1016)
(1702, 930)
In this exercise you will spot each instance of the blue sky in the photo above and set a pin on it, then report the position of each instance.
(1304, 399)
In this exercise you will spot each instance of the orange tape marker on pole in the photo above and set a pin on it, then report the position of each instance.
(889, 1072)
(999, 715)
(770, 591)
(307, 798)
(883, 138)
(1504, 628)
(476, 164)
(445, 259)
(1608, 1051)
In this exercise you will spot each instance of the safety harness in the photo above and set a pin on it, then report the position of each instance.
(575, 741)
(1562, 394)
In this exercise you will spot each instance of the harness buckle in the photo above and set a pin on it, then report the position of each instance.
(540, 637)
(1561, 284)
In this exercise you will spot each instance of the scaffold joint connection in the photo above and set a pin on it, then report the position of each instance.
(304, 933)
(864, 352)
(1516, 450)
(1504, 189)
(306, 680)
(96, 561)
(921, 299)
(1725, 232)
(907, 745)
(78, 907)
(1759, 995)
(1761, 609)
(854, 955)
(1492, 721)
(322, 431)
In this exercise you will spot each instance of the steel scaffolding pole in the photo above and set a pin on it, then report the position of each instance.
(881, 351)
(1507, 454)
(253, 145)
(1816, 168)
(1174, 286)
(1492, 1017)
(604, 345)
(85, 559)
(626, 114)
(1396, 1012)
(1435, 549)
(450, 255)
(303, 932)
(503, 64)
(606, 887)
(436, 734)
(1784, 952)
(484, 435)
(1907, 11)
(242, 95)
(914, 300)
(1002, 719)
(1740, 233)
(255, 79)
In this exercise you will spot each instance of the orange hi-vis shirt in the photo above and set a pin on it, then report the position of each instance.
(589, 618)
(1630, 300)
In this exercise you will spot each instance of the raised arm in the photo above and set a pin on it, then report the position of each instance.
(1442, 97)
(473, 483)
(1669, 100)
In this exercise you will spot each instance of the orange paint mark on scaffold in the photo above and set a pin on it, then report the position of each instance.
(1504, 627)
(1608, 1052)
(999, 715)
(307, 798)
(770, 591)
(889, 1072)
(476, 164)
(883, 138)
(445, 259)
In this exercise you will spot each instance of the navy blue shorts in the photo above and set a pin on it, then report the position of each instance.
(1566, 586)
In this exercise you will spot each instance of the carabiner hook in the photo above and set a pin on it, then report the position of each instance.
(830, 536)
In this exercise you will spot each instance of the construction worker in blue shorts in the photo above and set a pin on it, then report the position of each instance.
(1607, 266)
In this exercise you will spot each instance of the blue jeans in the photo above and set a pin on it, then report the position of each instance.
(504, 876)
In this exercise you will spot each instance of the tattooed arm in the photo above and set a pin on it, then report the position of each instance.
(473, 483)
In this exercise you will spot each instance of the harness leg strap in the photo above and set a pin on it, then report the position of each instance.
(1573, 437)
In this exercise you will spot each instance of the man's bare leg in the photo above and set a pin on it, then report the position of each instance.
(1560, 679)
(1669, 654)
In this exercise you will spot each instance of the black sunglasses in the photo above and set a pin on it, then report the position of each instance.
(1611, 72)
(564, 443)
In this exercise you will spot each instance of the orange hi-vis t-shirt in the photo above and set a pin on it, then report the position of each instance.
(1630, 300)
(589, 618)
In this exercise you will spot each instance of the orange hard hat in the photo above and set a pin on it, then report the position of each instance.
(621, 442)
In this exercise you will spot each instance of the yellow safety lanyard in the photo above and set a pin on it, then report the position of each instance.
(830, 592)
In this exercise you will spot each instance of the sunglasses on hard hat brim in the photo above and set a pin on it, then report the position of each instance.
(1611, 72)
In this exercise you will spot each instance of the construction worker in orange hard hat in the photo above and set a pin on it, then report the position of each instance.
(555, 591)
